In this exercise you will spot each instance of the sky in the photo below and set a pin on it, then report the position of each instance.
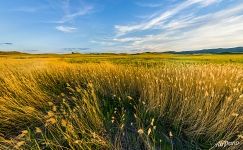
(119, 26)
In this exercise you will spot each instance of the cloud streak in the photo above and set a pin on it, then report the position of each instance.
(161, 18)
(222, 28)
(66, 29)
(70, 15)
(70, 12)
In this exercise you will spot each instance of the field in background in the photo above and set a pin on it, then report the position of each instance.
(135, 58)
(108, 101)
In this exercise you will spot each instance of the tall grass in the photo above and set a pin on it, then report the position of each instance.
(57, 105)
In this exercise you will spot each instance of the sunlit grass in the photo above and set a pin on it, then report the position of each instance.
(48, 103)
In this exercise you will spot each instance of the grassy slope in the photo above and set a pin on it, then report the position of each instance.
(48, 102)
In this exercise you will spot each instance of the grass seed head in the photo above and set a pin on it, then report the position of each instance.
(19, 144)
(38, 130)
(140, 131)
(170, 134)
(149, 131)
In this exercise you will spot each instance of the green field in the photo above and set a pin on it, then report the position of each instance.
(136, 58)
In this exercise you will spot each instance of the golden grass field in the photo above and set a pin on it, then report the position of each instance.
(116, 102)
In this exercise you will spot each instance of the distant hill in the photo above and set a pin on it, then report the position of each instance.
(235, 50)
(11, 53)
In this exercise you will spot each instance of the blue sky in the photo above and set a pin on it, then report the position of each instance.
(61, 26)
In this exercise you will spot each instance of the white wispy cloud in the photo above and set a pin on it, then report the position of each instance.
(128, 39)
(66, 29)
(70, 14)
(103, 42)
(161, 18)
(223, 28)
(206, 2)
